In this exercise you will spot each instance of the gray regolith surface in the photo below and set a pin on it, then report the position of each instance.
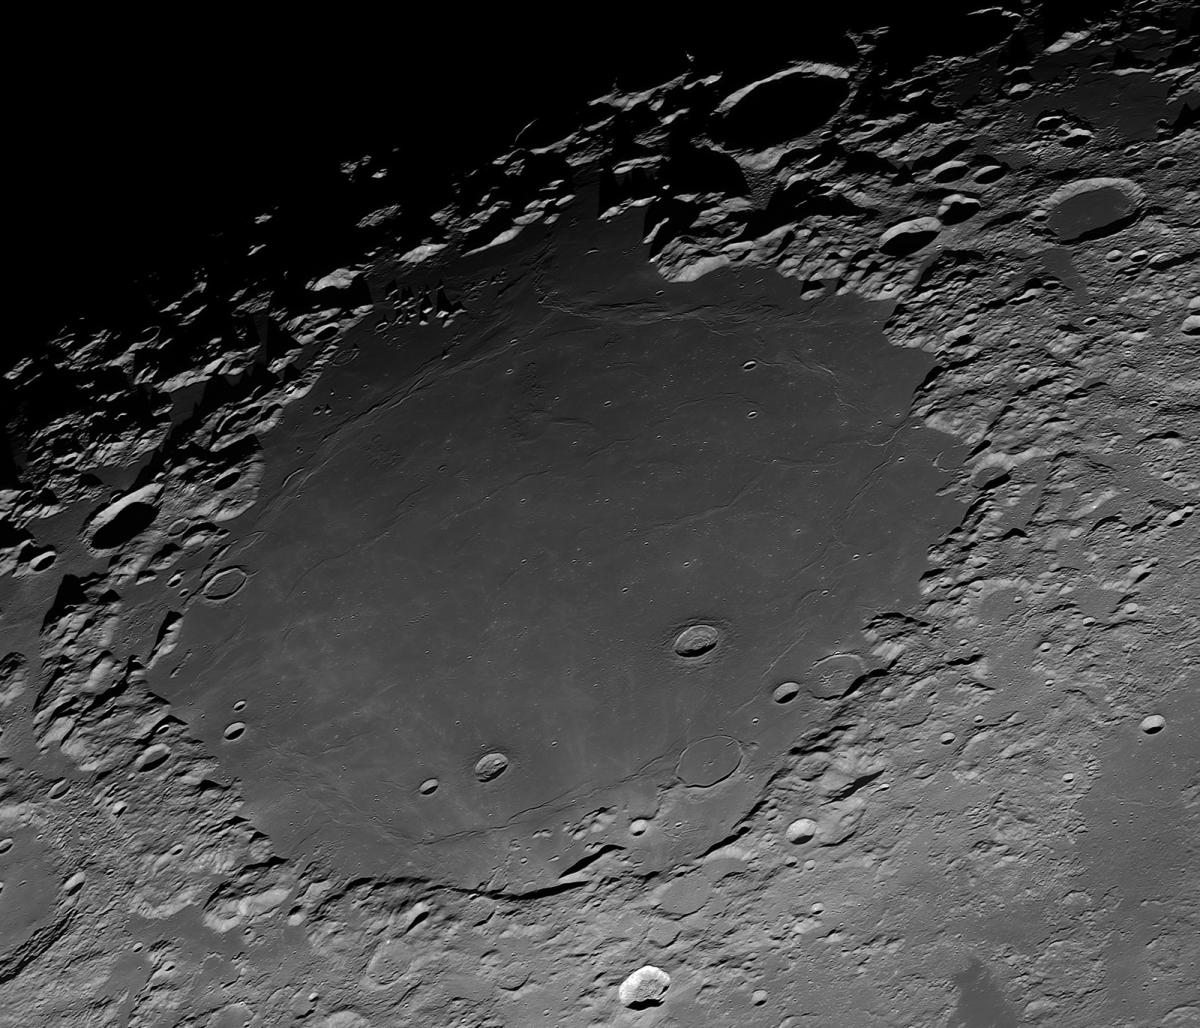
(749, 533)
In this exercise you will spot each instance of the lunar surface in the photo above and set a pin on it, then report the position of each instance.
(731, 560)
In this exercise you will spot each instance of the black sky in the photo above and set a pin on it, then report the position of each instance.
(138, 140)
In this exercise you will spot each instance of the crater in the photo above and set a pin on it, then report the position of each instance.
(785, 692)
(224, 584)
(527, 548)
(708, 761)
(909, 237)
(832, 677)
(695, 641)
(783, 107)
(1092, 209)
(490, 766)
(957, 208)
(123, 524)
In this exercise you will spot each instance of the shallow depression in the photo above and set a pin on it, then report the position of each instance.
(709, 761)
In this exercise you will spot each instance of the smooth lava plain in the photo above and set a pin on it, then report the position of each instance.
(530, 560)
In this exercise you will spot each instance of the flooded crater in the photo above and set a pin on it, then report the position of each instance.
(485, 548)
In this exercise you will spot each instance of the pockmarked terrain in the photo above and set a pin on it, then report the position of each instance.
(734, 564)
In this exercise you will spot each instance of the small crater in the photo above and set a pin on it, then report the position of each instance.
(223, 584)
(42, 559)
(645, 987)
(909, 237)
(1092, 209)
(708, 761)
(1153, 724)
(152, 756)
(785, 692)
(345, 355)
(126, 524)
(695, 641)
(834, 676)
(957, 208)
(782, 107)
(490, 766)
(801, 830)
(950, 171)
(990, 173)
(234, 730)
(428, 787)
(227, 480)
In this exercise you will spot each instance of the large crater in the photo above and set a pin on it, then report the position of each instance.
(506, 574)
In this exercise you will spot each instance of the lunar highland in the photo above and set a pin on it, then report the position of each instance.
(733, 563)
